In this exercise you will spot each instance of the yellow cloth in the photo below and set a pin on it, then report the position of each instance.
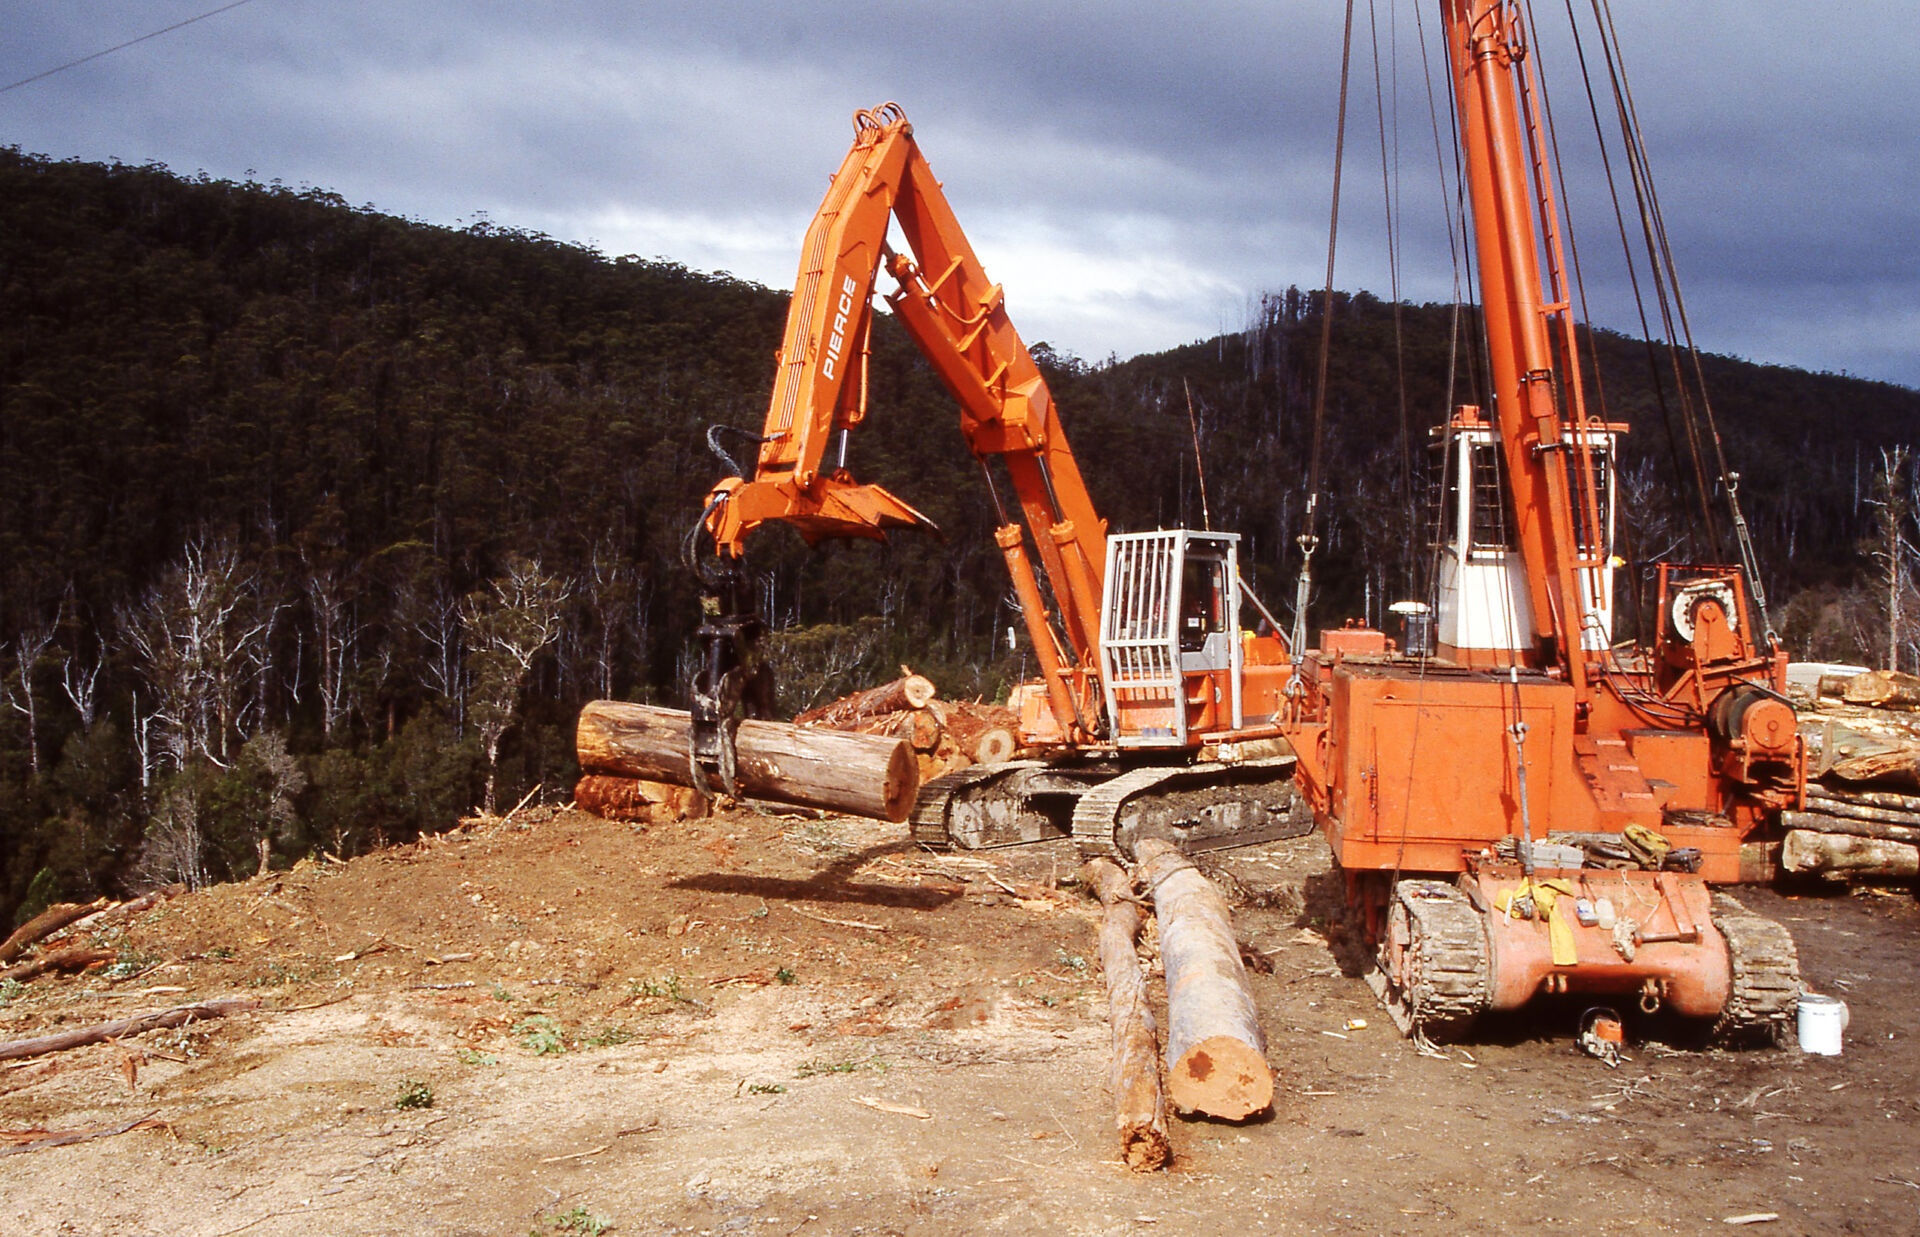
(1546, 898)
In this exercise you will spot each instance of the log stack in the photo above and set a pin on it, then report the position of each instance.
(1862, 814)
(633, 758)
(945, 734)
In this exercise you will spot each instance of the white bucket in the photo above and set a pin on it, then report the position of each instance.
(1822, 1018)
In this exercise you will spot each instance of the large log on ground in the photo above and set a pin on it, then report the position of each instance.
(613, 798)
(46, 923)
(910, 692)
(1804, 853)
(1875, 759)
(1139, 1105)
(1216, 1061)
(866, 775)
(1822, 821)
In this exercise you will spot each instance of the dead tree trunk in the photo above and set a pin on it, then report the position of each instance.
(1215, 1050)
(1140, 1106)
(127, 910)
(866, 775)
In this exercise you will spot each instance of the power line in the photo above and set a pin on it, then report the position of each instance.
(122, 46)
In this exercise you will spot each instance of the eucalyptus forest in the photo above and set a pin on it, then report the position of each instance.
(318, 526)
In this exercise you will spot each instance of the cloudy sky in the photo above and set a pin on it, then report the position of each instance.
(1134, 176)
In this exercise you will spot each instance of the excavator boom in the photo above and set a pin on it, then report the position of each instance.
(958, 318)
(1137, 637)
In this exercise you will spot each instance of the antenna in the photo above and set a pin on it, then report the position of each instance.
(1206, 517)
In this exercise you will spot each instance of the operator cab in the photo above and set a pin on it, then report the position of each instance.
(1484, 613)
(1170, 636)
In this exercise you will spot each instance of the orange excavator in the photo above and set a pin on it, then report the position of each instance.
(1156, 711)
(1518, 807)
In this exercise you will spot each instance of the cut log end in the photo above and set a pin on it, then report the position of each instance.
(1145, 1149)
(1221, 1076)
(919, 691)
(994, 746)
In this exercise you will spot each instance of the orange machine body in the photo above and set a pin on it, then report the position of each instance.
(1451, 760)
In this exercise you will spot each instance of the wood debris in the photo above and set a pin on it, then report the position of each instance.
(14, 1050)
(45, 924)
(35, 1139)
(904, 1110)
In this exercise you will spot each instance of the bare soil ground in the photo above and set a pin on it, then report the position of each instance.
(778, 1025)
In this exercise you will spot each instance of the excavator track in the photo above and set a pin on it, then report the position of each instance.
(1436, 972)
(1197, 807)
(1766, 975)
(1002, 804)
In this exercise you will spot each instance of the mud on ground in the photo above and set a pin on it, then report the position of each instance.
(781, 1025)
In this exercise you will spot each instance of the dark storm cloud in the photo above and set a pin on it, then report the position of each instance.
(1135, 179)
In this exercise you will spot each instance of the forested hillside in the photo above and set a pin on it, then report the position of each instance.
(318, 525)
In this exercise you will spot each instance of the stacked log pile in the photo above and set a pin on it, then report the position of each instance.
(945, 734)
(633, 758)
(1862, 815)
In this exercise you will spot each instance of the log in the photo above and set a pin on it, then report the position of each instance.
(1834, 686)
(612, 798)
(1804, 853)
(1899, 766)
(122, 911)
(1215, 1050)
(994, 745)
(968, 722)
(912, 691)
(1139, 1104)
(13, 1050)
(46, 923)
(864, 775)
(1881, 689)
(1865, 798)
(1834, 805)
(78, 958)
(1823, 822)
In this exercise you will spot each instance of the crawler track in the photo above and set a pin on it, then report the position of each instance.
(1438, 970)
(1766, 974)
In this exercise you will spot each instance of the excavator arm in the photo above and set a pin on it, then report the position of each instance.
(958, 318)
